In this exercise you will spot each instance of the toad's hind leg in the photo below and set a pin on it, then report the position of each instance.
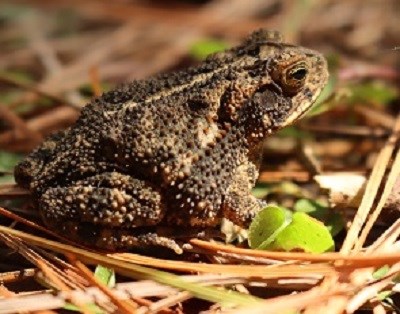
(110, 211)
(240, 206)
(113, 239)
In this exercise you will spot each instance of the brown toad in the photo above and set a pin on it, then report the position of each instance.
(179, 149)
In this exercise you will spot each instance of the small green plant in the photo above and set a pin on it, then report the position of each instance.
(275, 228)
(105, 275)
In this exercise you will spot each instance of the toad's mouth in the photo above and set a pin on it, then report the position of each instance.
(295, 115)
(299, 112)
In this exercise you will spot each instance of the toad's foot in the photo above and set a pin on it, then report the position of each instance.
(240, 206)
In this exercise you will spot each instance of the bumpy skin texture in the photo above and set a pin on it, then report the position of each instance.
(178, 149)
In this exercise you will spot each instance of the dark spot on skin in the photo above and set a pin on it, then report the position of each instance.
(307, 92)
(197, 104)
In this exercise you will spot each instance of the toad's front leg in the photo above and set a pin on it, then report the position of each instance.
(240, 206)
(110, 211)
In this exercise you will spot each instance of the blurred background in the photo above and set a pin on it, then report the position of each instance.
(56, 55)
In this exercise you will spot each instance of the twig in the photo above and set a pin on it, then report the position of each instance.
(166, 303)
(290, 302)
(279, 176)
(361, 260)
(18, 275)
(12, 190)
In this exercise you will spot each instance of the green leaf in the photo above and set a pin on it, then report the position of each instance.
(274, 229)
(11, 12)
(8, 160)
(384, 295)
(380, 272)
(332, 220)
(304, 234)
(23, 77)
(267, 225)
(201, 49)
(105, 275)
(7, 163)
(7, 179)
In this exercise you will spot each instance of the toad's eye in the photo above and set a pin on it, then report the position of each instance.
(293, 78)
(298, 74)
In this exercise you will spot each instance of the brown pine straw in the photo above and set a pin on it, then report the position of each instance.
(18, 125)
(289, 302)
(95, 81)
(158, 307)
(27, 222)
(361, 259)
(261, 271)
(377, 117)
(45, 123)
(13, 276)
(125, 306)
(360, 279)
(5, 293)
(12, 190)
(370, 291)
(352, 240)
(122, 263)
(52, 273)
(363, 223)
(385, 242)
(389, 184)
